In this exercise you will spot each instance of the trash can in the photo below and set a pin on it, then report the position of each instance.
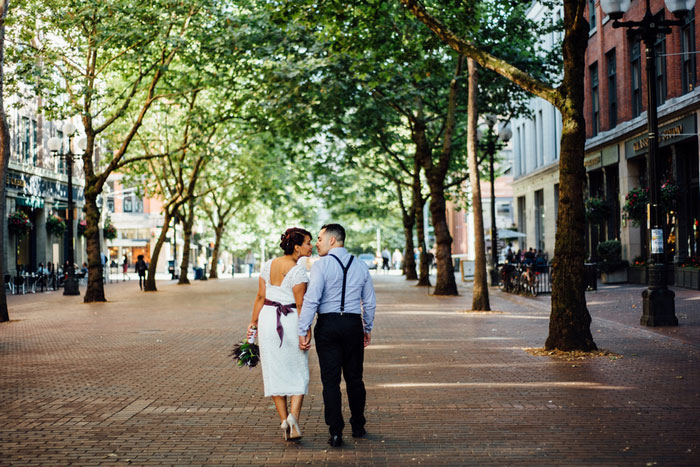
(590, 276)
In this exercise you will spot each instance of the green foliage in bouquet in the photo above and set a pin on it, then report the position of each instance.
(19, 224)
(245, 354)
(55, 225)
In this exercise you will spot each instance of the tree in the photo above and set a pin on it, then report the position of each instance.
(4, 153)
(108, 58)
(569, 327)
(480, 294)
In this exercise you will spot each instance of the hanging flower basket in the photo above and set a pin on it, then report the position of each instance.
(19, 224)
(110, 231)
(597, 210)
(82, 227)
(55, 225)
(669, 195)
(635, 207)
(636, 201)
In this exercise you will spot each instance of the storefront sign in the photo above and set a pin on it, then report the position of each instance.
(32, 202)
(668, 134)
(33, 188)
(14, 182)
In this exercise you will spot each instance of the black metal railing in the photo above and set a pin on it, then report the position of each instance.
(525, 279)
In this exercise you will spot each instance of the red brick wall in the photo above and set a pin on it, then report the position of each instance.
(605, 38)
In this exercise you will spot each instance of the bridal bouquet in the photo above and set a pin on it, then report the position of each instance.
(246, 354)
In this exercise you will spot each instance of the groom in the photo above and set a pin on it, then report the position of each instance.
(340, 290)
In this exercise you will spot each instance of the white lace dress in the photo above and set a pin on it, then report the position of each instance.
(285, 368)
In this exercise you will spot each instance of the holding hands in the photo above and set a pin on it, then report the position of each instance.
(305, 341)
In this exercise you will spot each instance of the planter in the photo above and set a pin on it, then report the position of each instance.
(688, 278)
(614, 277)
(637, 275)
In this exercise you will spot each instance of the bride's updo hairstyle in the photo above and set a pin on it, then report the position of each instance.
(292, 237)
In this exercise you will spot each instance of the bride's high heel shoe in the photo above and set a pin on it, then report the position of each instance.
(294, 430)
(285, 430)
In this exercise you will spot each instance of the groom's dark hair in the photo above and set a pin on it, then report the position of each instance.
(335, 230)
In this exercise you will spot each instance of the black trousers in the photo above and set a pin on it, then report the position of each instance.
(340, 349)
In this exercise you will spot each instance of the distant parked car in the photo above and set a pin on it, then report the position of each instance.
(368, 259)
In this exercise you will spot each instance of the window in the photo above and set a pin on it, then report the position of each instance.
(110, 204)
(24, 148)
(128, 203)
(61, 162)
(660, 48)
(612, 88)
(539, 219)
(688, 55)
(636, 75)
(540, 138)
(33, 144)
(522, 219)
(591, 15)
(138, 204)
(595, 101)
(503, 209)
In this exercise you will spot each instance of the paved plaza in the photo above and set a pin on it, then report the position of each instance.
(146, 379)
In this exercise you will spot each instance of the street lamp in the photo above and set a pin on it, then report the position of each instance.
(490, 145)
(658, 301)
(54, 145)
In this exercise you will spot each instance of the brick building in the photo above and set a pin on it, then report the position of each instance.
(616, 120)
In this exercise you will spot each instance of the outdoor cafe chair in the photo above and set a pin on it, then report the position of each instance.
(9, 284)
(20, 282)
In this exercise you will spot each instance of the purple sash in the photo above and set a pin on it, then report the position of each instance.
(281, 310)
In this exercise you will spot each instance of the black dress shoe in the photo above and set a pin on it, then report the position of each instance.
(335, 441)
(359, 433)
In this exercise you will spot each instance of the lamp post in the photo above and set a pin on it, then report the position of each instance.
(492, 140)
(54, 145)
(657, 299)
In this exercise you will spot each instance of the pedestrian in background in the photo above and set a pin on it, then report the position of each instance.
(386, 259)
(141, 268)
(125, 265)
(250, 261)
(397, 259)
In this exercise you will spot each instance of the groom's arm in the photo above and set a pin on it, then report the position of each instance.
(312, 299)
(369, 304)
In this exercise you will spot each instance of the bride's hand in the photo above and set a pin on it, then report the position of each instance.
(252, 327)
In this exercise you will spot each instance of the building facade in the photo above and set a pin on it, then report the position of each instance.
(37, 185)
(616, 144)
(536, 148)
(616, 127)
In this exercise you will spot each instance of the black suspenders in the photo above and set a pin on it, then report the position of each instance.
(345, 277)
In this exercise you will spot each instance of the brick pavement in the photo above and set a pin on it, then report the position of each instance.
(146, 380)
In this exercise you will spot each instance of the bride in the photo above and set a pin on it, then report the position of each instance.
(285, 367)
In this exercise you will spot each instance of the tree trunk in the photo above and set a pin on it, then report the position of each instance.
(409, 220)
(569, 325)
(214, 269)
(445, 283)
(187, 229)
(150, 285)
(480, 298)
(418, 203)
(409, 259)
(4, 158)
(570, 322)
(95, 289)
